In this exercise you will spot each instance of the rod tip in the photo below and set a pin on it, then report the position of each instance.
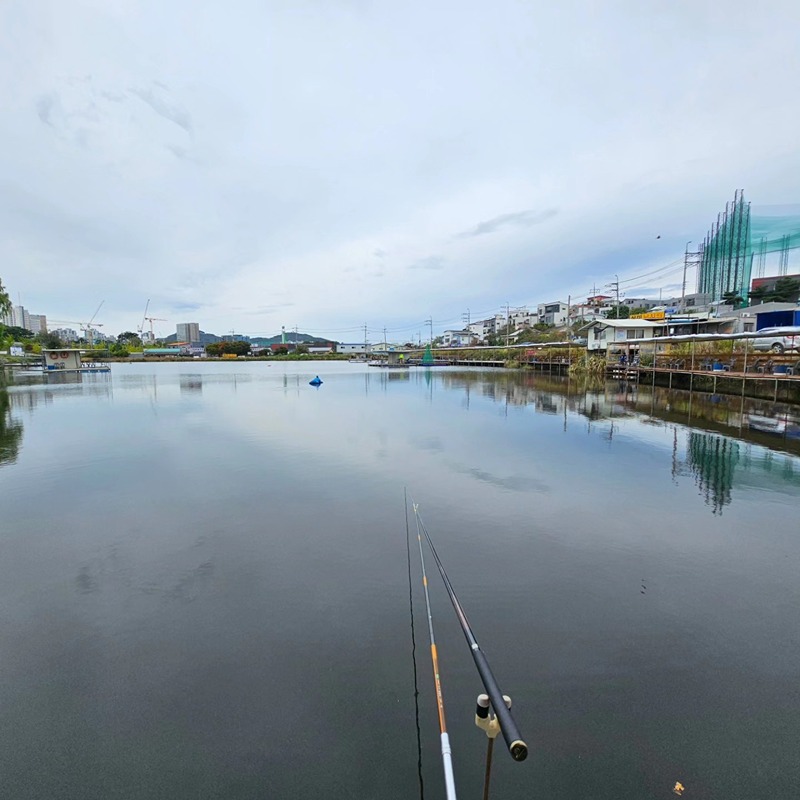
(518, 750)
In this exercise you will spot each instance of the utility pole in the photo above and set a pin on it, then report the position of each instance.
(429, 321)
(385, 346)
(569, 351)
(295, 337)
(365, 341)
(466, 319)
(615, 286)
(508, 322)
(569, 316)
(683, 285)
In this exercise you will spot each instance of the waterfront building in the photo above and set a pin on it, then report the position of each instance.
(604, 333)
(754, 318)
(354, 349)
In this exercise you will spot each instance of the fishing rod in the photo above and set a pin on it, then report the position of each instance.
(511, 733)
(447, 760)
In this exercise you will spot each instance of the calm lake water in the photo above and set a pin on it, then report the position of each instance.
(204, 584)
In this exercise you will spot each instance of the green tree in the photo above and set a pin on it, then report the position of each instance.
(786, 291)
(119, 350)
(5, 300)
(223, 348)
(732, 299)
(129, 337)
(19, 333)
(758, 295)
(49, 341)
(618, 312)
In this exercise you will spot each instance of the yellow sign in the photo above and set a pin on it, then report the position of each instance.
(649, 315)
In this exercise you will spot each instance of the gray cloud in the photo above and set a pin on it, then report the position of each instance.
(267, 309)
(523, 219)
(169, 110)
(44, 107)
(431, 262)
(62, 233)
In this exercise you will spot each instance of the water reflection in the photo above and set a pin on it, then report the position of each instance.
(712, 460)
(722, 442)
(10, 430)
(191, 384)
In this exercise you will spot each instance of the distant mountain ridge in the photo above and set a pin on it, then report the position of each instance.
(291, 338)
(262, 341)
(205, 338)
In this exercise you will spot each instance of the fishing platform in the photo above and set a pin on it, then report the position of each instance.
(68, 360)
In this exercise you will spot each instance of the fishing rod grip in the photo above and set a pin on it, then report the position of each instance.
(514, 741)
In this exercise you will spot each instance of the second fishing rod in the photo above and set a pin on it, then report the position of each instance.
(511, 733)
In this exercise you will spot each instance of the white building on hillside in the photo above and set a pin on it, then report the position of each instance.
(457, 338)
(522, 318)
(487, 327)
(553, 313)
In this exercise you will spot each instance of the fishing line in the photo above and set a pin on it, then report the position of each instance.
(414, 651)
(447, 760)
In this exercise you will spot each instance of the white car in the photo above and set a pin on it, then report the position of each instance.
(782, 340)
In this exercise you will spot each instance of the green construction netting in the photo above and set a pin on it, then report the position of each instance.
(774, 228)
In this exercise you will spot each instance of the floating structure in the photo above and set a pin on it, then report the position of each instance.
(62, 360)
(316, 381)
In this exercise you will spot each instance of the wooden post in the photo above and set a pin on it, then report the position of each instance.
(744, 367)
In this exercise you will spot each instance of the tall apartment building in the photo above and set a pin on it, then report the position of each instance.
(188, 332)
(18, 317)
(38, 323)
(66, 334)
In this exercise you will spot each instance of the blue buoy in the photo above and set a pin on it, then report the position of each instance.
(316, 382)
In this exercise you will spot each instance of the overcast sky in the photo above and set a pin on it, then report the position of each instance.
(249, 164)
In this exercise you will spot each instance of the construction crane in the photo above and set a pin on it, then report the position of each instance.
(140, 326)
(88, 328)
(151, 320)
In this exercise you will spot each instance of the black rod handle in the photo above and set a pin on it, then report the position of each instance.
(514, 741)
